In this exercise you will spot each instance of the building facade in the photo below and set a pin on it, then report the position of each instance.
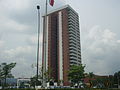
(62, 43)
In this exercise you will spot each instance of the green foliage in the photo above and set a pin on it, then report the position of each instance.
(111, 81)
(33, 81)
(90, 75)
(76, 73)
(5, 70)
(117, 77)
(103, 82)
(22, 89)
(48, 74)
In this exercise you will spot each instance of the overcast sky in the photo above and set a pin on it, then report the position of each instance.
(99, 26)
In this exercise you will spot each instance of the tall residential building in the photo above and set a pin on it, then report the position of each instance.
(62, 43)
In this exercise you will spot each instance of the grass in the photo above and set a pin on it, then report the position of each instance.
(66, 89)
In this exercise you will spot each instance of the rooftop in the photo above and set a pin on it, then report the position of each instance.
(60, 8)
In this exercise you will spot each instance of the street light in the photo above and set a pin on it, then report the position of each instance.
(38, 7)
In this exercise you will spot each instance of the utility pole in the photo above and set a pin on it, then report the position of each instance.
(38, 7)
(44, 42)
(118, 80)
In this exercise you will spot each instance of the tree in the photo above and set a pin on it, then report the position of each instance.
(76, 73)
(117, 78)
(111, 81)
(33, 80)
(5, 71)
(48, 74)
(91, 76)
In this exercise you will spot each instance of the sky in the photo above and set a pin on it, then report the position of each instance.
(99, 30)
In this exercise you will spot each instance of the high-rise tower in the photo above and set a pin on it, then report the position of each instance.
(62, 42)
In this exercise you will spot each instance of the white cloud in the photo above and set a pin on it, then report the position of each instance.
(92, 32)
(1, 43)
(108, 36)
(118, 41)
(8, 24)
(18, 16)
(34, 39)
(12, 25)
(101, 46)
(19, 50)
(23, 56)
(15, 5)
(100, 55)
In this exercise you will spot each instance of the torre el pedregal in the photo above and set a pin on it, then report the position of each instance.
(62, 42)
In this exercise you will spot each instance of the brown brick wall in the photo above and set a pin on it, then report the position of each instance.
(65, 47)
(52, 46)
